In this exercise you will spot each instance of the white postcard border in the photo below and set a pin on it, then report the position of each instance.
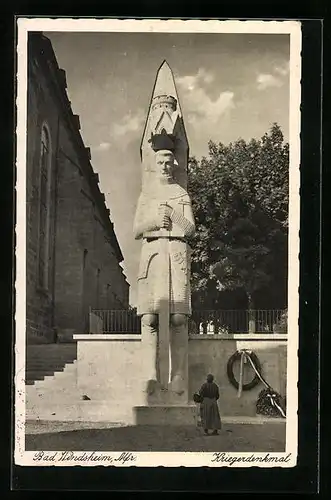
(167, 459)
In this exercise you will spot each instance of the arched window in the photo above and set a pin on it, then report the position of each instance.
(44, 208)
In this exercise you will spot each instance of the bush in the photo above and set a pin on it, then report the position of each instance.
(281, 325)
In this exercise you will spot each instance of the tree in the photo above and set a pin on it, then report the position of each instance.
(240, 203)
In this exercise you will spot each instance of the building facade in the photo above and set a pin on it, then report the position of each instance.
(73, 256)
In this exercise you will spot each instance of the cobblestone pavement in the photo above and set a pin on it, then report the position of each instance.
(235, 437)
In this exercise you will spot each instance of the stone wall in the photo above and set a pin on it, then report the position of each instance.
(84, 255)
(41, 110)
(111, 373)
(107, 380)
(210, 354)
(111, 370)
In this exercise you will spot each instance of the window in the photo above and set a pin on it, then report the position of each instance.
(44, 209)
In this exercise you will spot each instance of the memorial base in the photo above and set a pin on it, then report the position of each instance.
(166, 415)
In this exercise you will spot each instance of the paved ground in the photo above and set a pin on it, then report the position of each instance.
(236, 437)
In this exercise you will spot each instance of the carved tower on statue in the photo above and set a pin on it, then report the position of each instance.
(164, 221)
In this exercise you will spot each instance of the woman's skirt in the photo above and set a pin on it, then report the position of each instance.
(210, 416)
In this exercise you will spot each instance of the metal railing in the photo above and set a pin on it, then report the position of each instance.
(114, 321)
(201, 321)
(238, 321)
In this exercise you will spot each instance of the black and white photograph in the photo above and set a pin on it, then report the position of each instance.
(157, 242)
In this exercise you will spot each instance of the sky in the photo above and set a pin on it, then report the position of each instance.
(230, 86)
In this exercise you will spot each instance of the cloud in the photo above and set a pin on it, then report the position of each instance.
(204, 76)
(200, 108)
(130, 126)
(283, 70)
(274, 79)
(130, 123)
(192, 82)
(104, 146)
(266, 80)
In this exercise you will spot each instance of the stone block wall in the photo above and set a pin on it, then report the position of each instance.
(40, 110)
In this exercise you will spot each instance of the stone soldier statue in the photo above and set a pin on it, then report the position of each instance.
(166, 207)
(164, 222)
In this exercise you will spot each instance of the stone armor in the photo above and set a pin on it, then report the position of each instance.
(149, 276)
(178, 251)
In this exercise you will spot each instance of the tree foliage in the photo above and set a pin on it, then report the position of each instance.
(240, 203)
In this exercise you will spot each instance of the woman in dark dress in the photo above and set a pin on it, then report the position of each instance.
(210, 416)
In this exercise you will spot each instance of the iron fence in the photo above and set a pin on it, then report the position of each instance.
(114, 321)
(238, 321)
(201, 321)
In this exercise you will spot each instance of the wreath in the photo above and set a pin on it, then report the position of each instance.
(271, 403)
(237, 357)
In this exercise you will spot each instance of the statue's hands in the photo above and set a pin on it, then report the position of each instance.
(166, 223)
(165, 209)
(164, 216)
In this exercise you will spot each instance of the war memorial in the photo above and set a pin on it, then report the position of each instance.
(150, 376)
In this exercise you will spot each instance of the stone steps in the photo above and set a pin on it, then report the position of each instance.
(57, 390)
(57, 397)
(54, 382)
(44, 360)
(60, 358)
(33, 375)
(53, 367)
(61, 347)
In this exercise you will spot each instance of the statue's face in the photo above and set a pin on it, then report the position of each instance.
(165, 166)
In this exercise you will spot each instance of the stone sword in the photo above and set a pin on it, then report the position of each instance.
(164, 313)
